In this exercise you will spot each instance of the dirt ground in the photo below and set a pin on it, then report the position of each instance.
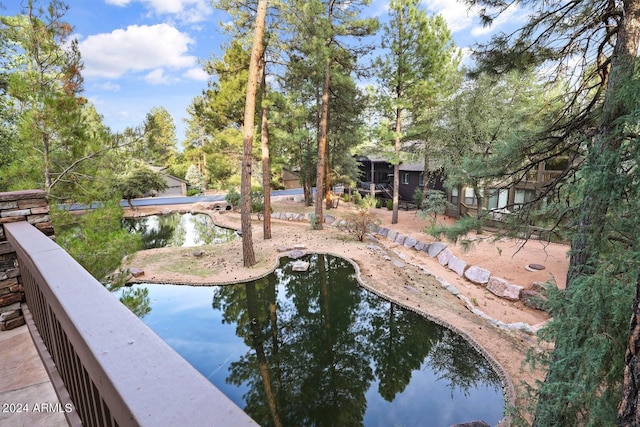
(412, 285)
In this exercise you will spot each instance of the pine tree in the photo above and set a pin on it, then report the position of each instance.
(587, 367)
(418, 69)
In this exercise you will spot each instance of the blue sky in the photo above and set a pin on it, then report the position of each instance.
(140, 54)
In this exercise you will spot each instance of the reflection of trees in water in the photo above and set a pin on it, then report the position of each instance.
(312, 338)
(400, 342)
(159, 231)
(137, 300)
(207, 233)
(460, 364)
(156, 231)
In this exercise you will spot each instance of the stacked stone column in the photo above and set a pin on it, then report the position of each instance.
(31, 206)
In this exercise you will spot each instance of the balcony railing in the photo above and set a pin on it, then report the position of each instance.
(116, 370)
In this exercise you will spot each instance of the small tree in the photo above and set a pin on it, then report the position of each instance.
(195, 178)
(435, 203)
(360, 222)
(139, 182)
(418, 198)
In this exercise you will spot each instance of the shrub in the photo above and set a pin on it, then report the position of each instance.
(390, 204)
(359, 223)
(233, 198)
(418, 198)
(193, 192)
(368, 202)
(378, 203)
(357, 198)
(434, 204)
(314, 221)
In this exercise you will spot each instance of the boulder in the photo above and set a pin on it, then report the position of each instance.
(421, 246)
(198, 253)
(300, 265)
(136, 272)
(477, 275)
(444, 256)
(296, 253)
(329, 219)
(398, 263)
(392, 234)
(400, 238)
(457, 265)
(542, 287)
(504, 289)
(410, 242)
(435, 249)
(283, 249)
(383, 231)
(533, 299)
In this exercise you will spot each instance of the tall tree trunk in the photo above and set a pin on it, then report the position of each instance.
(629, 409)
(322, 146)
(248, 255)
(396, 167)
(327, 185)
(266, 167)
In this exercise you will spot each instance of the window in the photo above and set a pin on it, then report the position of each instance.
(524, 196)
(454, 195)
(469, 197)
(498, 198)
(405, 178)
(421, 180)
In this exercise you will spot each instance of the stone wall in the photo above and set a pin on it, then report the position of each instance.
(31, 206)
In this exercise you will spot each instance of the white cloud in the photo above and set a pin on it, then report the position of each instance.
(196, 74)
(458, 15)
(185, 10)
(158, 77)
(109, 86)
(137, 48)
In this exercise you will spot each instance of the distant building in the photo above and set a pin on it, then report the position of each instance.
(175, 186)
(377, 171)
(506, 196)
(290, 179)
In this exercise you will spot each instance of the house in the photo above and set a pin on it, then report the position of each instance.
(504, 197)
(377, 173)
(175, 186)
(290, 179)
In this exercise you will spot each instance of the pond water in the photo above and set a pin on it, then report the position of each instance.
(175, 229)
(316, 349)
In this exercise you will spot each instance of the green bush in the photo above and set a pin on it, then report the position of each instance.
(345, 197)
(233, 198)
(357, 198)
(378, 203)
(193, 192)
(390, 204)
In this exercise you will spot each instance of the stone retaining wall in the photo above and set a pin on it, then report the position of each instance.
(31, 206)
(439, 251)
